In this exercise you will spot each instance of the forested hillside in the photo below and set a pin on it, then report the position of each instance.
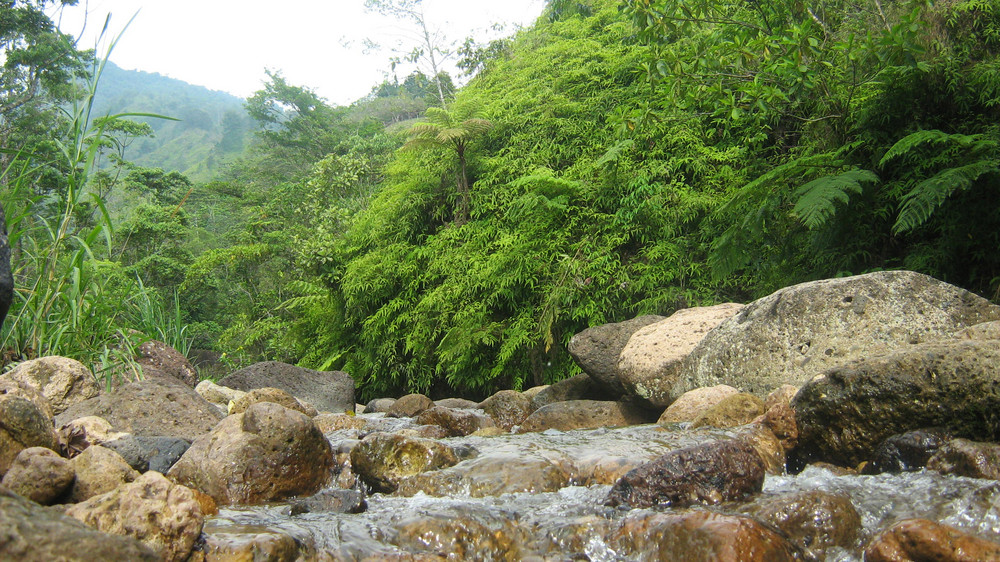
(617, 158)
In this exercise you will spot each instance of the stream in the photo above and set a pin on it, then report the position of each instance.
(540, 496)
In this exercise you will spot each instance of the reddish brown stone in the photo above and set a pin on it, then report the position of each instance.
(920, 540)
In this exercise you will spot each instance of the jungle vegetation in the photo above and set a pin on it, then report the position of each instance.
(617, 158)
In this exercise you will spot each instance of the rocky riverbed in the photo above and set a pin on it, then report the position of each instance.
(846, 419)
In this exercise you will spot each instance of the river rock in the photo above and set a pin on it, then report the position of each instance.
(379, 405)
(338, 422)
(779, 419)
(274, 395)
(383, 459)
(327, 391)
(584, 414)
(457, 403)
(459, 534)
(651, 360)
(692, 403)
(157, 356)
(598, 349)
(75, 436)
(22, 425)
(157, 512)
(967, 458)
(981, 331)
(31, 533)
(906, 452)
(920, 539)
(267, 453)
(228, 542)
(508, 408)
(160, 406)
(803, 330)
(40, 475)
(63, 381)
(149, 453)
(719, 471)
(701, 536)
(11, 387)
(409, 406)
(457, 423)
(329, 501)
(218, 394)
(781, 395)
(578, 387)
(491, 475)
(847, 411)
(98, 470)
(813, 520)
(731, 411)
(767, 445)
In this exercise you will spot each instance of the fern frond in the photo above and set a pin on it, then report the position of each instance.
(925, 198)
(817, 200)
(912, 141)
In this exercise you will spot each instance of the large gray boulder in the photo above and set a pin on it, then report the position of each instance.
(160, 406)
(327, 391)
(800, 331)
(844, 413)
(651, 360)
(597, 349)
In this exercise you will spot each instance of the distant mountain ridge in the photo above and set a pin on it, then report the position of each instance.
(213, 126)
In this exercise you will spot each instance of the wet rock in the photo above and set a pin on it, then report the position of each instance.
(273, 395)
(40, 475)
(598, 349)
(579, 387)
(779, 419)
(22, 425)
(379, 405)
(265, 454)
(508, 408)
(906, 452)
(701, 536)
(456, 403)
(98, 470)
(336, 422)
(532, 392)
(383, 459)
(846, 412)
(814, 520)
(149, 453)
(490, 475)
(692, 403)
(75, 436)
(158, 356)
(62, 381)
(767, 446)
(10, 387)
(456, 423)
(460, 536)
(160, 514)
(920, 539)
(218, 394)
(160, 406)
(967, 458)
(800, 331)
(781, 395)
(708, 474)
(327, 391)
(584, 414)
(31, 533)
(233, 543)
(329, 501)
(409, 406)
(731, 411)
(651, 360)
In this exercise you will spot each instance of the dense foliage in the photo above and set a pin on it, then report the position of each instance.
(617, 158)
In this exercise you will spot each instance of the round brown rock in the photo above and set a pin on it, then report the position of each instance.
(708, 474)
(508, 408)
(409, 406)
(584, 414)
(275, 395)
(731, 411)
(267, 453)
(158, 356)
(157, 512)
(62, 380)
(22, 425)
(693, 403)
(27, 391)
(456, 423)
(40, 475)
(382, 460)
(967, 458)
(814, 520)
(920, 539)
(99, 470)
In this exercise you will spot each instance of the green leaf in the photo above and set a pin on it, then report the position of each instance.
(817, 200)
(921, 202)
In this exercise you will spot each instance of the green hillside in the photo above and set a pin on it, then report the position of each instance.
(213, 126)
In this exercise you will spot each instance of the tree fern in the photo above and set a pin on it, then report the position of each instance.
(817, 200)
(921, 202)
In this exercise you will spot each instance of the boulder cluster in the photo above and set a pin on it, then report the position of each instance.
(887, 372)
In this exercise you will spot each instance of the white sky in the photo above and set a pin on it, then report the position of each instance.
(226, 44)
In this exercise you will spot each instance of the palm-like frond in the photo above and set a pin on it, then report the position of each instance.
(817, 200)
(921, 202)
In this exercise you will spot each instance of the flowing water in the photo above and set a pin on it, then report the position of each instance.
(541, 496)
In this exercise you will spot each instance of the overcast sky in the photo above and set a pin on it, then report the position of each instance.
(227, 44)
